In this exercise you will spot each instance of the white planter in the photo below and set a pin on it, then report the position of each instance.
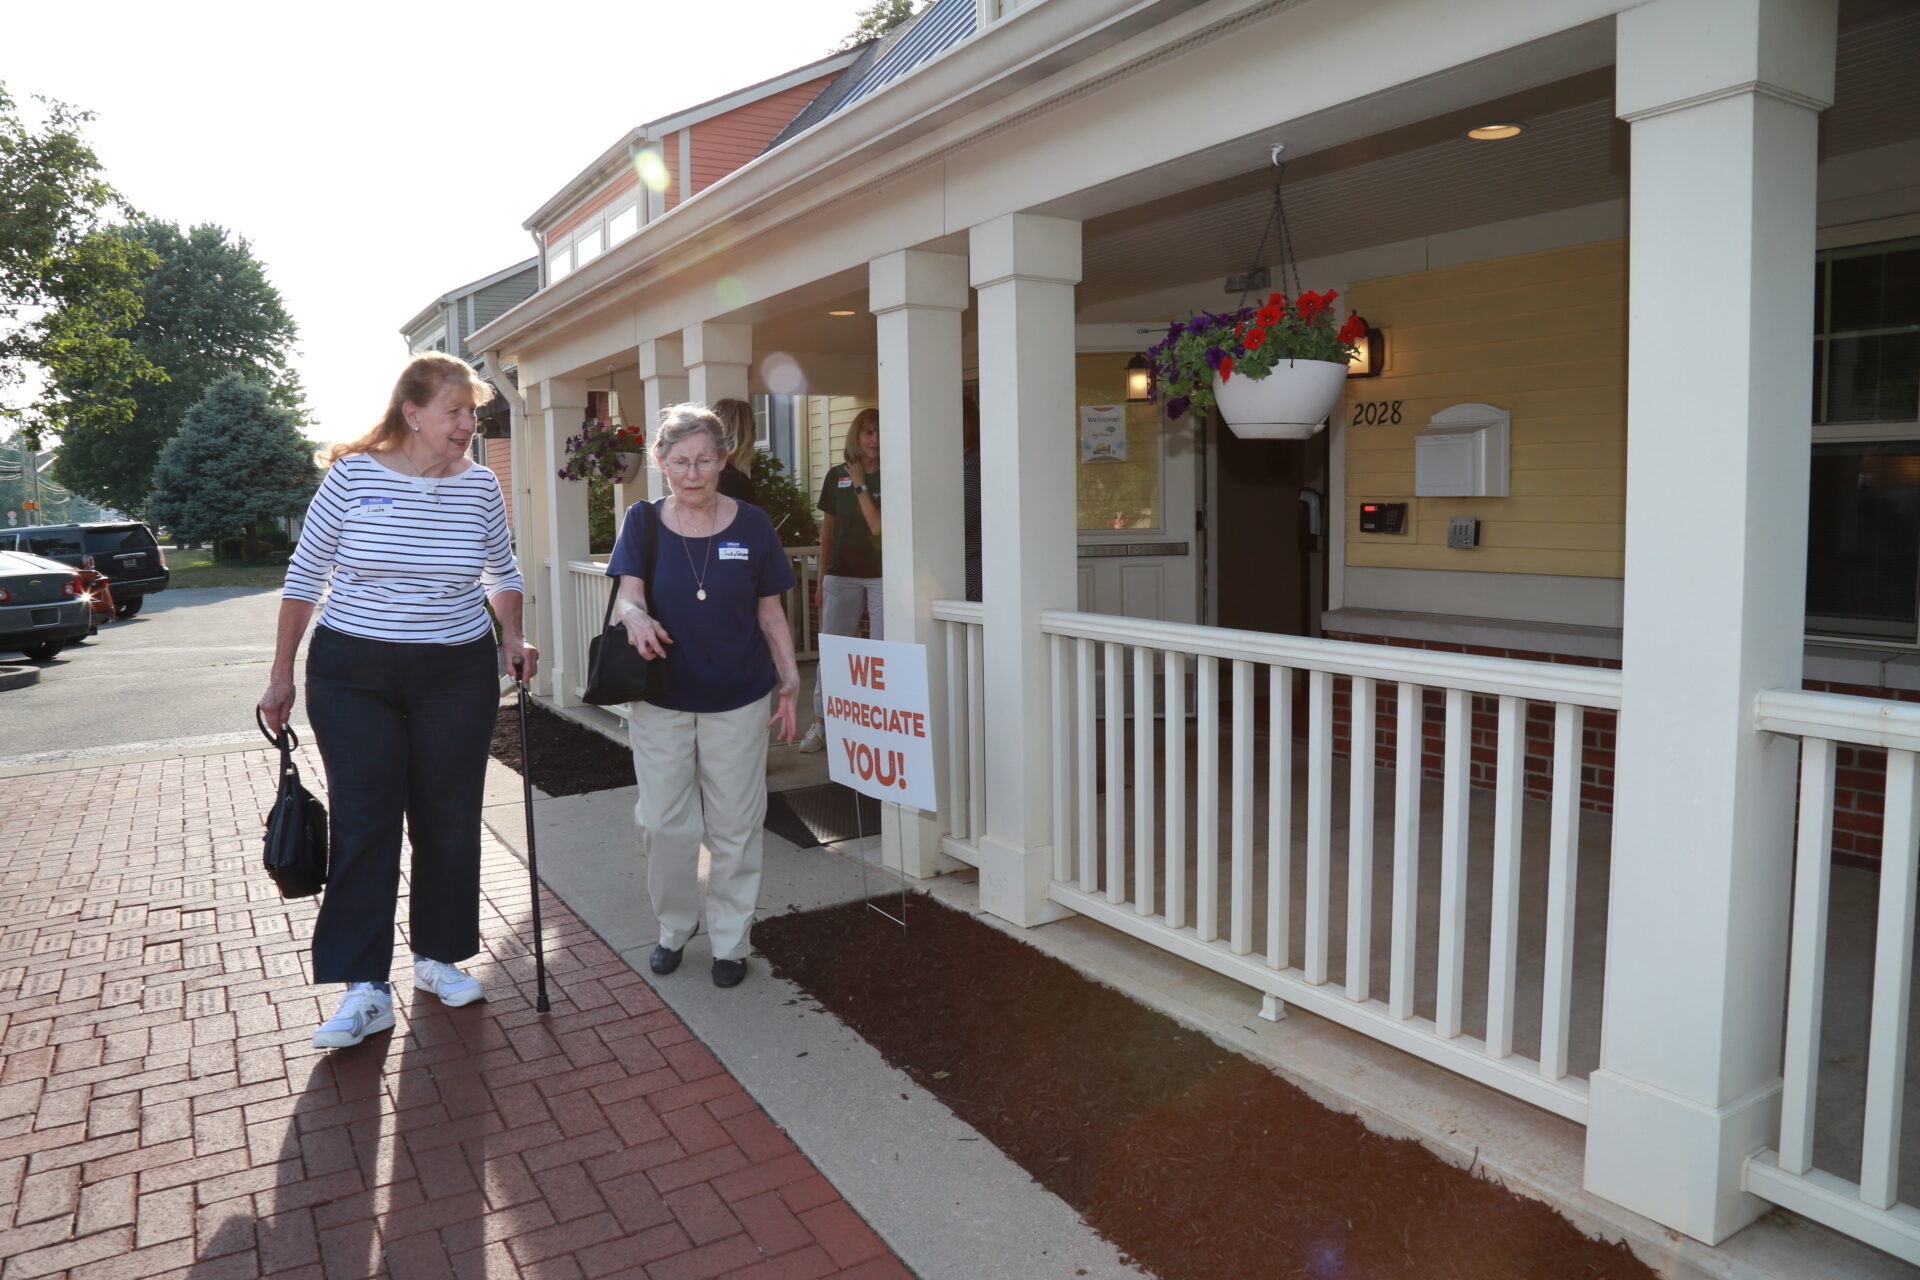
(631, 465)
(1291, 403)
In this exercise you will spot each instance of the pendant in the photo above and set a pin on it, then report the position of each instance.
(701, 594)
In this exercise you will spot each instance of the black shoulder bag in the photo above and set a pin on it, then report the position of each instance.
(615, 670)
(295, 854)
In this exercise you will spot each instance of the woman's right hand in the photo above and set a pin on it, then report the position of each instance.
(646, 635)
(276, 704)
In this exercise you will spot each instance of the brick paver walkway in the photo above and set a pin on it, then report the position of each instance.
(163, 1113)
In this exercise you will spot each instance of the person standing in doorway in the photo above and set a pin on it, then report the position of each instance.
(407, 539)
(736, 478)
(849, 551)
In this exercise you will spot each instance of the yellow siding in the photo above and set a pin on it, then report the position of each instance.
(1542, 336)
(828, 418)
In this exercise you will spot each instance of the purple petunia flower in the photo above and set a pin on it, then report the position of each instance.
(1178, 406)
(1214, 356)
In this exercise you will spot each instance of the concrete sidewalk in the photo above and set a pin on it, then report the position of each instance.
(162, 1111)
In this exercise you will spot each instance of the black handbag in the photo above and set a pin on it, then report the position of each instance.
(295, 853)
(615, 670)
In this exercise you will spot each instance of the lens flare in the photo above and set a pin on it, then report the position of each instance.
(651, 168)
(783, 375)
(730, 292)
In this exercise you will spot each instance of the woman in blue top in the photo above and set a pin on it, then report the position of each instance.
(713, 611)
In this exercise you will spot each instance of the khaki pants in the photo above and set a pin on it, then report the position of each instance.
(703, 777)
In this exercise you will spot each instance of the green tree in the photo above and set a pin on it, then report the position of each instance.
(208, 312)
(68, 282)
(237, 460)
(876, 19)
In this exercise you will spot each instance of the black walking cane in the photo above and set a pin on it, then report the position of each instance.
(540, 1003)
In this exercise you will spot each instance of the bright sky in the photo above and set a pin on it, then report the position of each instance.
(379, 155)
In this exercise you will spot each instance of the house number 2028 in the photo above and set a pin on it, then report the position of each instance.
(1376, 412)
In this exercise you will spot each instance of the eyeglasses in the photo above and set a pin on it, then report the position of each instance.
(681, 466)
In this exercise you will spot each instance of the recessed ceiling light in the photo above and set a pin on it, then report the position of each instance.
(1495, 132)
(840, 313)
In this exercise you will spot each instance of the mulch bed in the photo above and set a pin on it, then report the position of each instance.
(1198, 1163)
(568, 759)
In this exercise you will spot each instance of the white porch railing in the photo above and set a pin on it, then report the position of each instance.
(1869, 1208)
(588, 601)
(1127, 865)
(966, 809)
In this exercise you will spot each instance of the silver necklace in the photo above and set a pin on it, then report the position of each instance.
(700, 574)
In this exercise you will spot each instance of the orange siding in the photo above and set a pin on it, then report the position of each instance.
(500, 462)
(727, 141)
(596, 203)
(670, 153)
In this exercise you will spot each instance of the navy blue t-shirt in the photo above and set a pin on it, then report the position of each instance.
(718, 660)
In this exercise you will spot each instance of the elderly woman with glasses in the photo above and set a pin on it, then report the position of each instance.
(710, 606)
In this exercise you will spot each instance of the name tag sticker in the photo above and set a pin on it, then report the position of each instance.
(846, 482)
(732, 551)
(374, 507)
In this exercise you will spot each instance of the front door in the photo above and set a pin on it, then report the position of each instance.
(1137, 479)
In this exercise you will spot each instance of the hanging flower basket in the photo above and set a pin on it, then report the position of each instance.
(1275, 372)
(1290, 403)
(605, 451)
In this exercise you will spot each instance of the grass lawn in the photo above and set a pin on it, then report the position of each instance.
(197, 569)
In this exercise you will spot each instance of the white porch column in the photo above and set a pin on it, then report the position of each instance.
(918, 298)
(1024, 269)
(718, 356)
(563, 404)
(1723, 97)
(663, 381)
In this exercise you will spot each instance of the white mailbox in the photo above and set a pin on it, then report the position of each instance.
(1462, 453)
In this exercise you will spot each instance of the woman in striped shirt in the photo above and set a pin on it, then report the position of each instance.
(407, 538)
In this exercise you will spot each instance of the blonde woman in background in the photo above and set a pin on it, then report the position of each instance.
(736, 478)
(849, 550)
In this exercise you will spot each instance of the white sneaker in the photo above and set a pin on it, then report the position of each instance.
(364, 1010)
(815, 739)
(454, 987)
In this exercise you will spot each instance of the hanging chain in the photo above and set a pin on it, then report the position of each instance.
(1276, 217)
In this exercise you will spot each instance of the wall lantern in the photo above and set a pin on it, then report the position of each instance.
(1369, 355)
(1139, 380)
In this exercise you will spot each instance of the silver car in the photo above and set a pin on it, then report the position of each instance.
(43, 605)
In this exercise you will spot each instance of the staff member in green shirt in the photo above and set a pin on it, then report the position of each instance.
(849, 550)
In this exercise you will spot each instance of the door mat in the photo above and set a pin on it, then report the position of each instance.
(813, 816)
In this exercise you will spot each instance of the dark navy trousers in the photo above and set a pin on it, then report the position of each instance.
(404, 731)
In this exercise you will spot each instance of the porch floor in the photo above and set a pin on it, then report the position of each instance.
(1854, 902)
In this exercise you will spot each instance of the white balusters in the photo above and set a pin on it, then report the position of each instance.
(1060, 660)
(1807, 971)
(1892, 984)
(1240, 883)
(1319, 820)
(977, 731)
(1176, 837)
(1509, 797)
(1143, 834)
(1279, 815)
(959, 806)
(1360, 841)
(1206, 844)
(1085, 798)
(1563, 875)
(1116, 781)
(1409, 743)
(1456, 778)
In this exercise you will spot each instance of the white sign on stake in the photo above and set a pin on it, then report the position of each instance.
(878, 739)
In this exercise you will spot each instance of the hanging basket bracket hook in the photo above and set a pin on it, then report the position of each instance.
(1273, 151)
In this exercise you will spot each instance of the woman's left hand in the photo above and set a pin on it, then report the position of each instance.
(783, 711)
(519, 654)
(857, 472)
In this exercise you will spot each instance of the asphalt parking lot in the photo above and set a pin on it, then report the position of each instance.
(186, 671)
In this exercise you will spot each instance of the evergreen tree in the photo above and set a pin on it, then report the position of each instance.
(876, 19)
(68, 283)
(237, 460)
(208, 312)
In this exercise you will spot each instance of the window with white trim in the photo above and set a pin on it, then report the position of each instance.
(1863, 528)
(587, 246)
(622, 224)
(559, 262)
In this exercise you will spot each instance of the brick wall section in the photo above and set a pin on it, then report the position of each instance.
(1596, 757)
(1859, 797)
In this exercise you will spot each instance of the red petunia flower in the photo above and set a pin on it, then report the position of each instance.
(1254, 338)
(1353, 330)
(1267, 317)
(1226, 368)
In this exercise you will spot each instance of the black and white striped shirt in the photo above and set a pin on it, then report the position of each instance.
(410, 559)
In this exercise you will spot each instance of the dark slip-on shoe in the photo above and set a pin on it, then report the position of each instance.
(727, 973)
(663, 961)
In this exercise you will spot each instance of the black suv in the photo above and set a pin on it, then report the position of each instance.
(124, 550)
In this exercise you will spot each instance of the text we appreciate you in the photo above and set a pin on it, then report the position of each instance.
(875, 698)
